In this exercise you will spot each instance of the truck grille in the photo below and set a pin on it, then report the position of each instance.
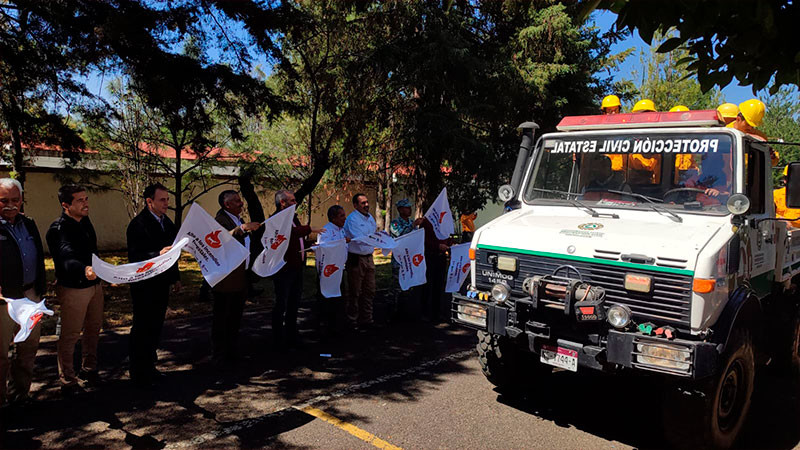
(669, 303)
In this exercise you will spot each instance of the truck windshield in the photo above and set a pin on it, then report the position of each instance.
(680, 171)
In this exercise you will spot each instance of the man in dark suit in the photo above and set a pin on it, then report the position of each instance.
(230, 293)
(150, 234)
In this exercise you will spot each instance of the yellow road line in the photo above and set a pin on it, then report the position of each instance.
(350, 428)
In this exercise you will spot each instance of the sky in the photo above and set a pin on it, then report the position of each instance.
(732, 93)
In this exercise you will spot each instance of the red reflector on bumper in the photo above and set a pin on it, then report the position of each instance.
(587, 309)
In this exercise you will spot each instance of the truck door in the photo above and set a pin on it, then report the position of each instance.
(760, 260)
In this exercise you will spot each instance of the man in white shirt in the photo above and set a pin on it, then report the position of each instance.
(334, 229)
(329, 308)
(360, 265)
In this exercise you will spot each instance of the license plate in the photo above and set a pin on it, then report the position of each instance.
(559, 357)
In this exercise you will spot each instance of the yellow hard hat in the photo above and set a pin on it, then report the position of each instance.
(678, 108)
(610, 101)
(644, 105)
(728, 110)
(753, 111)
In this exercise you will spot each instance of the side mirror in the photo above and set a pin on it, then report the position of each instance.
(793, 185)
(505, 192)
(738, 204)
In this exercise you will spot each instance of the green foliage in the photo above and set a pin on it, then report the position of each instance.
(751, 41)
(36, 71)
(666, 81)
(117, 131)
(475, 72)
(782, 122)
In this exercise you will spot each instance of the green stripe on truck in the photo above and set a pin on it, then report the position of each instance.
(589, 260)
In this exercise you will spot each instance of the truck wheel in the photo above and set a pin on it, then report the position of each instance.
(793, 356)
(712, 414)
(504, 365)
(733, 390)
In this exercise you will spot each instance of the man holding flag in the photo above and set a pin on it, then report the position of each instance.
(289, 279)
(22, 274)
(360, 265)
(150, 234)
(230, 293)
(72, 241)
(438, 226)
(332, 231)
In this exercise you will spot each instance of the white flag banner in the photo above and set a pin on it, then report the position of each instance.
(277, 230)
(217, 252)
(27, 314)
(331, 258)
(459, 267)
(440, 216)
(410, 255)
(138, 271)
(380, 239)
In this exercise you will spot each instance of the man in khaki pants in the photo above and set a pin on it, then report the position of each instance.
(360, 265)
(21, 275)
(72, 241)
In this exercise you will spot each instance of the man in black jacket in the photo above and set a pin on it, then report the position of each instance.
(72, 241)
(21, 275)
(150, 234)
(231, 292)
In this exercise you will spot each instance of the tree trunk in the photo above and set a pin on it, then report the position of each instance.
(18, 161)
(254, 207)
(388, 204)
(249, 195)
(178, 190)
(380, 200)
(310, 183)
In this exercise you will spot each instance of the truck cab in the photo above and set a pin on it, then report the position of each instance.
(637, 242)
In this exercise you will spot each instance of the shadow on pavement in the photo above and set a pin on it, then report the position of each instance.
(242, 405)
(629, 408)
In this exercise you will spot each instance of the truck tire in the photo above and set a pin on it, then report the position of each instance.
(504, 365)
(793, 354)
(711, 414)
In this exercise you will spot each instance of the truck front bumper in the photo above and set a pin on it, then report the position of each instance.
(607, 351)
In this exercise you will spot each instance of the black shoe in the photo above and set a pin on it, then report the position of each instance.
(21, 402)
(143, 383)
(91, 377)
(70, 390)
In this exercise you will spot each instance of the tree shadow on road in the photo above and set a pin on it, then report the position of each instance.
(629, 408)
(235, 405)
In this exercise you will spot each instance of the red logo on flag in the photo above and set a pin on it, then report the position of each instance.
(441, 216)
(329, 270)
(278, 241)
(465, 268)
(35, 319)
(212, 239)
(417, 259)
(145, 267)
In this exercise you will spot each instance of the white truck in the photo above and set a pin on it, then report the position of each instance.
(640, 242)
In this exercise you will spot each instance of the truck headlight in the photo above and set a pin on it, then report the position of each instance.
(664, 355)
(619, 316)
(500, 292)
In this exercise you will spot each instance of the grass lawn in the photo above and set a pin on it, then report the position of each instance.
(118, 311)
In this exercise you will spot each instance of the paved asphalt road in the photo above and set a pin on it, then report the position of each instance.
(406, 385)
